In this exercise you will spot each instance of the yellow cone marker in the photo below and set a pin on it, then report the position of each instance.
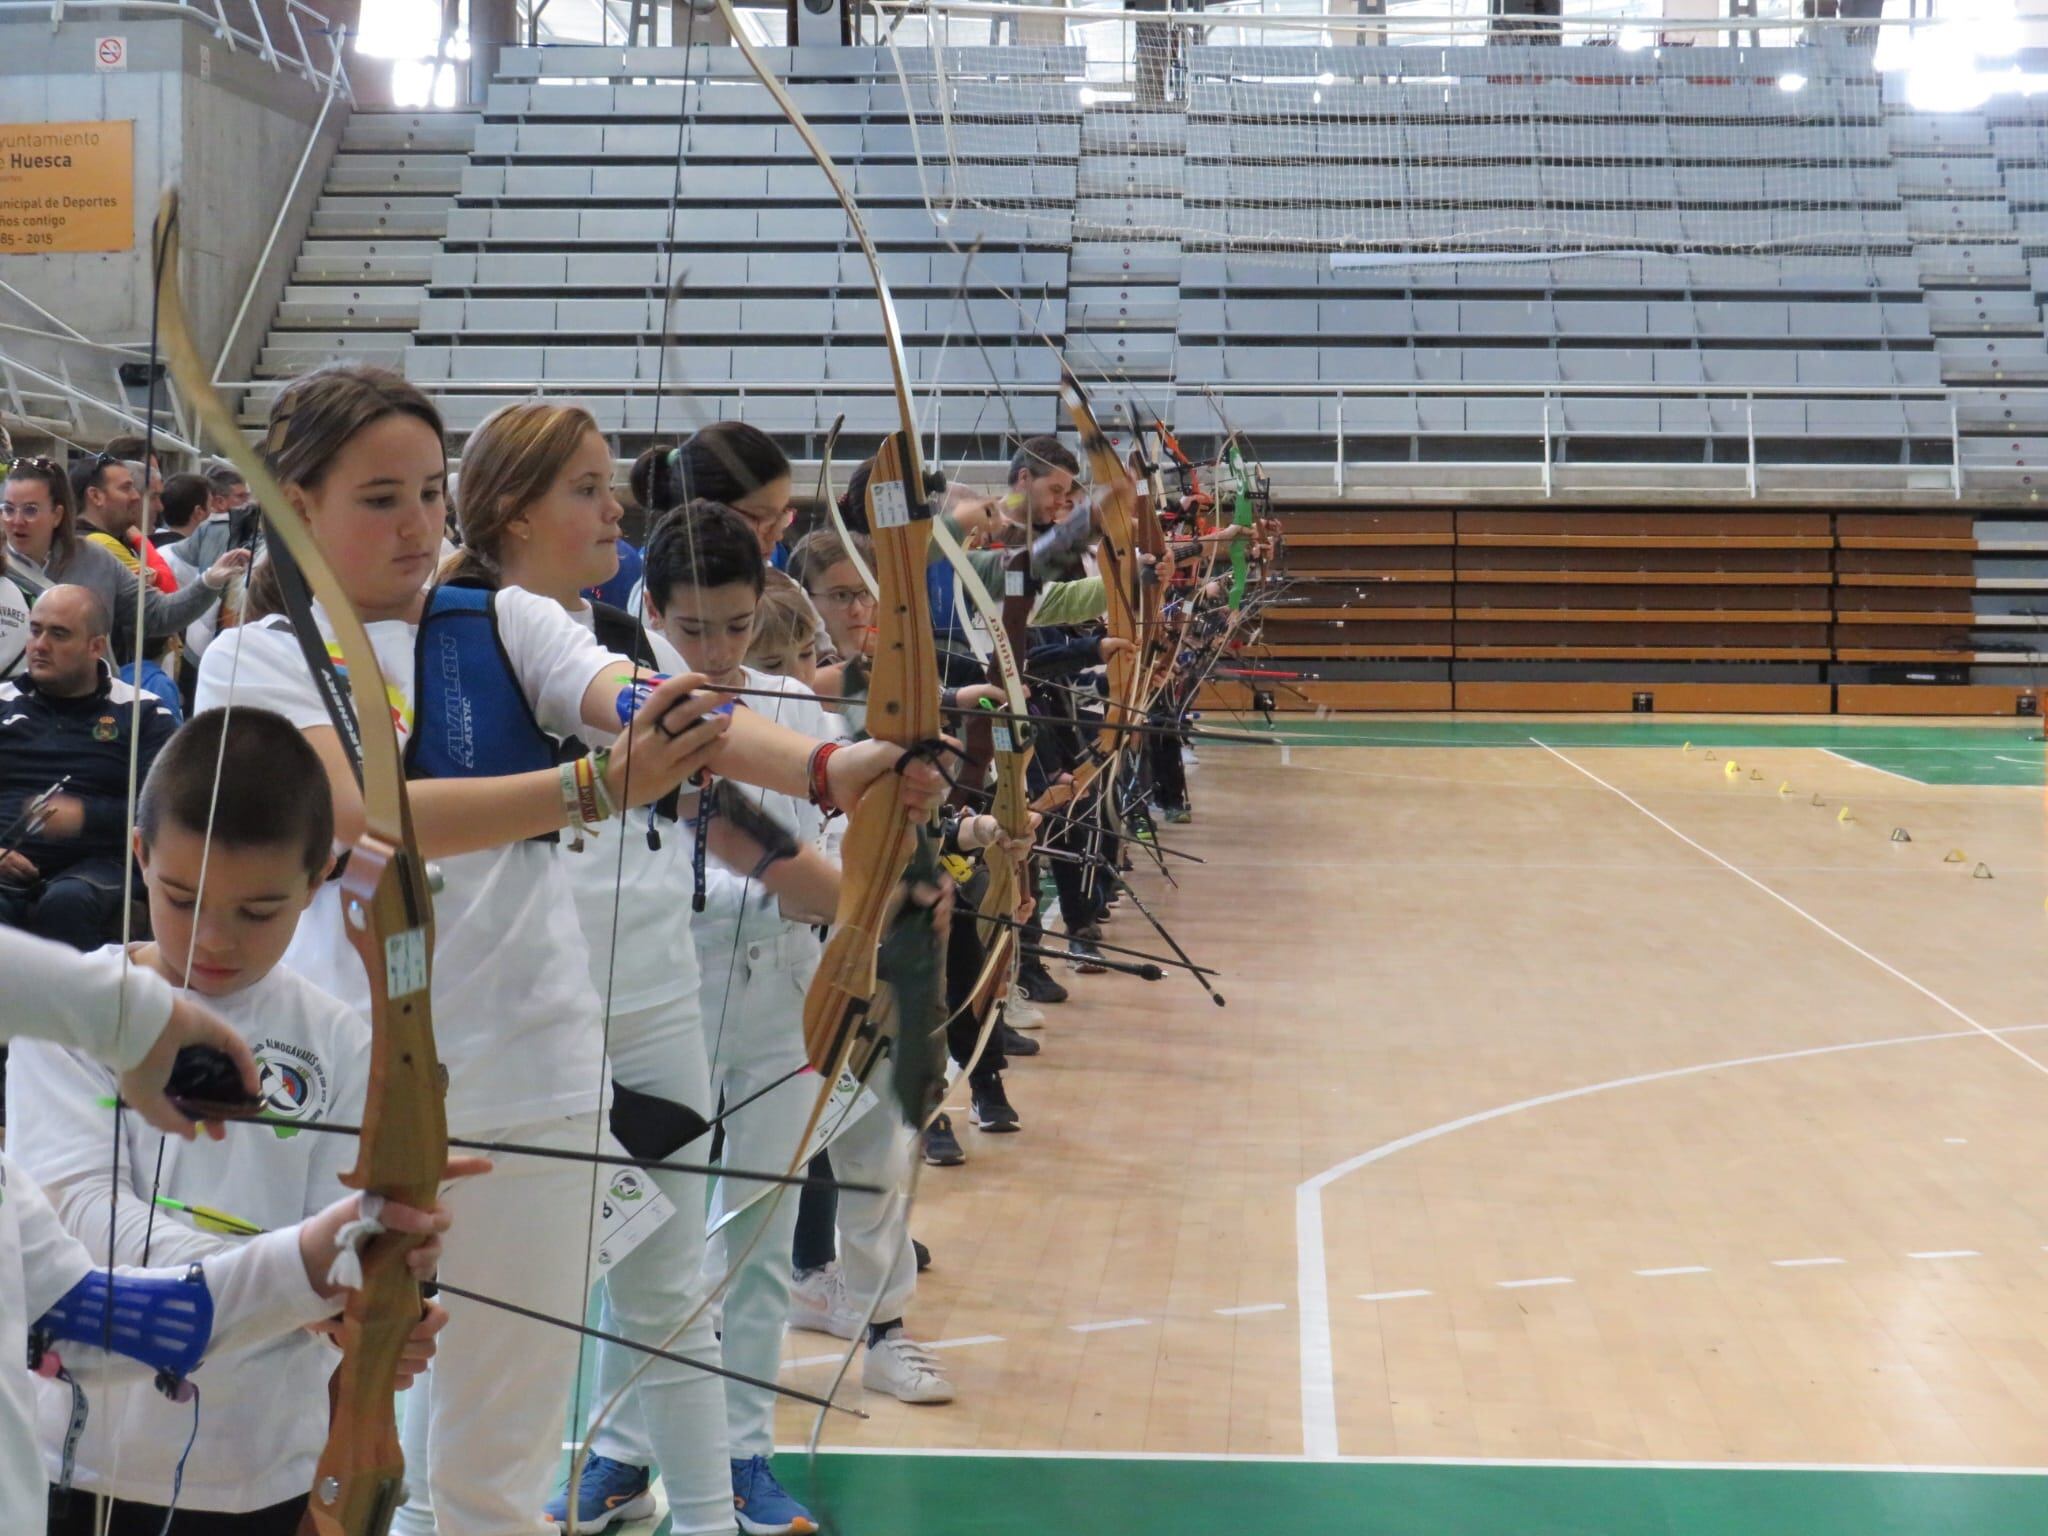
(1730, 768)
(1686, 748)
(1785, 788)
(1953, 856)
(1844, 814)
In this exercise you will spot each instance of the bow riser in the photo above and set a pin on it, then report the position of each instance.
(903, 708)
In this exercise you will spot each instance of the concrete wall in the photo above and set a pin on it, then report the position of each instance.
(221, 125)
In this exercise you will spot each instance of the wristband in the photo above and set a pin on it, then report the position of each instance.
(821, 788)
(571, 806)
(586, 794)
(600, 765)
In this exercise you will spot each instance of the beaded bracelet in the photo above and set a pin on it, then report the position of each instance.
(821, 789)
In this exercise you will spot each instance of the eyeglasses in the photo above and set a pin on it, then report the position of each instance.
(844, 597)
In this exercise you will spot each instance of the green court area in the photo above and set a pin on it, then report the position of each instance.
(1930, 754)
(912, 1494)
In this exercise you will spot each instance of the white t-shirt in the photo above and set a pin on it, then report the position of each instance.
(265, 1405)
(110, 1010)
(729, 896)
(652, 962)
(515, 1018)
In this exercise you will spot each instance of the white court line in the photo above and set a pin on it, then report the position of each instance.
(1121, 1322)
(1318, 1371)
(1318, 1366)
(1831, 752)
(1798, 911)
(1804, 1263)
(1264, 1306)
(1947, 1253)
(967, 1343)
(804, 1362)
(1527, 1285)
(1391, 1295)
(1678, 1269)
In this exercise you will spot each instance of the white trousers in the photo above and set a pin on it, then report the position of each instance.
(753, 991)
(674, 1417)
(875, 1255)
(483, 1428)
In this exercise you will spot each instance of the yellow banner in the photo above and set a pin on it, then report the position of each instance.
(66, 187)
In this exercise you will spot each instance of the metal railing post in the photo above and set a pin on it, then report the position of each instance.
(1749, 402)
(1547, 478)
(1955, 450)
(1340, 442)
(263, 32)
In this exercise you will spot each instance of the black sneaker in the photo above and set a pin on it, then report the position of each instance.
(924, 1255)
(1081, 949)
(992, 1111)
(1014, 1043)
(1039, 985)
(942, 1148)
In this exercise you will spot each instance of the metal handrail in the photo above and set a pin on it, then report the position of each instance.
(214, 18)
(81, 343)
(1228, 388)
(285, 206)
(64, 389)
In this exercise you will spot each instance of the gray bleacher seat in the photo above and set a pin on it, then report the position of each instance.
(2002, 410)
(1957, 218)
(1367, 365)
(365, 261)
(1981, 312)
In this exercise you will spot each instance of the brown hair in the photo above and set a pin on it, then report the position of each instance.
(508, 465)
(255, 782)
(312, 420)
(783, 619)
(46, 472)
(318, 413)
(821, 549)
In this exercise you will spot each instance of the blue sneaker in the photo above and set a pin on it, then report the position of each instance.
(611, 1492)
(760, 1504)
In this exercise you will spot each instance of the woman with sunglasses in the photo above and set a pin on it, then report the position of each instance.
(44, 550)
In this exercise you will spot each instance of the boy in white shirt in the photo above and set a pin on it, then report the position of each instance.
(271, 822)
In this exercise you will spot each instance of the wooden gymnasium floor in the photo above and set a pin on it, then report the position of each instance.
(1599, 1138)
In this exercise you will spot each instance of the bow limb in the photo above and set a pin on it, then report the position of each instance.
(359, 1482)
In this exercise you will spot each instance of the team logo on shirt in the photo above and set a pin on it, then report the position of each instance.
(106, 728)
(293, 1081)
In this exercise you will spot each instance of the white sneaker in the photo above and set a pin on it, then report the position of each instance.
(905, 1369)
(818, 1303)
(1022, 1012)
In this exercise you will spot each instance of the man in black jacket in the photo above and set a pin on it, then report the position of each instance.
(67, 721)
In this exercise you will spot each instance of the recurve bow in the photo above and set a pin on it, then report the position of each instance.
(359, 1482)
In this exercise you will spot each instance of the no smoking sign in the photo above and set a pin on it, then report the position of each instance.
(110, 53)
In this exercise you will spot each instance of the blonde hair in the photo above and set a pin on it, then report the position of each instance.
(784, 619)
(508, 465)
